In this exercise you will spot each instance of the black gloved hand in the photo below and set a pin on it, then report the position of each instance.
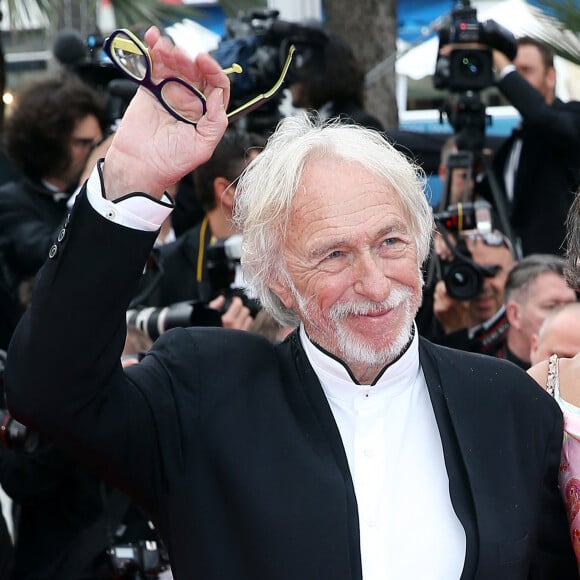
(500, 38)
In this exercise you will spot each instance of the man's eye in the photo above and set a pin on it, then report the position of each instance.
(334, 255)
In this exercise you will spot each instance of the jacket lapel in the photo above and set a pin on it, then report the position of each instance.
(459, 484)
(325, 436)
(318, 421)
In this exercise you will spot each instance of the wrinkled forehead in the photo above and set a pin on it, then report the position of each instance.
(337, 187)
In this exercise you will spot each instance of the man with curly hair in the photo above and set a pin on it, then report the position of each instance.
(56, 122)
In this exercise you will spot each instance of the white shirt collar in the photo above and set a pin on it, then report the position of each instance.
(332, 371)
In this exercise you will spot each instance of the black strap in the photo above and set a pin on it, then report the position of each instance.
(94, 540)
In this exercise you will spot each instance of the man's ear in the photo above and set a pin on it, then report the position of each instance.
(282, 290)
(551, 78)
(512, 311)
(223, 191)
(534, 344)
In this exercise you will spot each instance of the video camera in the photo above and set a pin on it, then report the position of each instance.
(464, 277)
(85, 57)
(467, 70)
(259, 41)
(470, 68)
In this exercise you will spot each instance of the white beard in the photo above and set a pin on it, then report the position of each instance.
(352, 347)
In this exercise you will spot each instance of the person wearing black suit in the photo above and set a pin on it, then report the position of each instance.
(539, 164)
(48, 138)
(351, 450)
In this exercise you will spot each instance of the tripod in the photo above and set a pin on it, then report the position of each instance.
(457, 212)
(468, 118)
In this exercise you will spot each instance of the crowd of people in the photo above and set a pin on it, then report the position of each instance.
(319, 374)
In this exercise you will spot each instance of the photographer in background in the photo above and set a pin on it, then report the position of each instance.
(535, 287)
(539, 165)
(179, 271)
(48, 136)
(478, 324)
(339, 90)
(458, 178)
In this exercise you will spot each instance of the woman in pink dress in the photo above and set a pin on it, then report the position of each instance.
(560, 377)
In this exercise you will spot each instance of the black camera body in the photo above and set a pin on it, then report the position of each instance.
(462, 276)
(222, 262)
(259, 41)
(143, 559)
(464, 68)
(470, 68)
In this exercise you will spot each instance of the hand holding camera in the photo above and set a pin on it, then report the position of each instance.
(449, 312)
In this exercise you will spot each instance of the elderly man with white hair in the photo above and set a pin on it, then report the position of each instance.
(354, 449)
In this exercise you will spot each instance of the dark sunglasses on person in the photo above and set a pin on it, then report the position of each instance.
(494, 238)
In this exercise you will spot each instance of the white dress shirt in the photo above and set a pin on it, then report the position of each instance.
(408, 528)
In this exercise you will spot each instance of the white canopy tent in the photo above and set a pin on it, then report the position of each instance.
(193, 37)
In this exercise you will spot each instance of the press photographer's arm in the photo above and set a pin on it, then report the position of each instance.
(68, 345)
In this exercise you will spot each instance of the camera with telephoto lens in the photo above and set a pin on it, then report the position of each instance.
(145, 559)
(259, 41)
(154, 321)
(225, 273)
(469, 68)
(223, 267)
(463, 276)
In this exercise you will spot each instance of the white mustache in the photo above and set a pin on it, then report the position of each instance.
(396, 298)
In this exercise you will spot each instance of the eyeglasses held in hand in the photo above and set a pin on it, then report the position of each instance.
(132, 58)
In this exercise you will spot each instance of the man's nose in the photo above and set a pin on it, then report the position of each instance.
(370, 279)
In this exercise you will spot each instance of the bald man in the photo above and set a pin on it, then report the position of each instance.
(559, 333)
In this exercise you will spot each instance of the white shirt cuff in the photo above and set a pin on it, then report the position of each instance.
(506, 70)
(136, 210)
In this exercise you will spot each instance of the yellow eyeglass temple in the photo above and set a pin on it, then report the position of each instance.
(134, 46)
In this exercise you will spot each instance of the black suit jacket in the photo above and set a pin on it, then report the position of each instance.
(29, 218)
(230, 443)
(548, 173)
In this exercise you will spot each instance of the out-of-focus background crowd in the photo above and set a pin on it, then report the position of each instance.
(500, 151)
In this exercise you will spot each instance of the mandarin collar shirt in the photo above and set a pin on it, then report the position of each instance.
(408, 528)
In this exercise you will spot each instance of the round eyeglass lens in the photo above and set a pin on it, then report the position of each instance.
(130, 56)
(183, 100)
